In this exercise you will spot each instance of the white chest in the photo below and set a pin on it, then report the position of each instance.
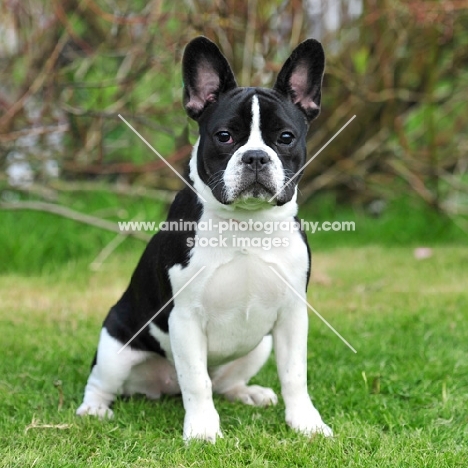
(235, 293)
(239, 305)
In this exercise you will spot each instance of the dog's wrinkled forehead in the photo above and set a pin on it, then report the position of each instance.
(234, 110)
(264, 110)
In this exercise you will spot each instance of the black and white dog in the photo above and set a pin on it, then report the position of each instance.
(224, 304)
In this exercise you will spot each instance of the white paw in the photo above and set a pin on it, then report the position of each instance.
(308, 422)
(202, 426)
(100, 411)
(252, 395)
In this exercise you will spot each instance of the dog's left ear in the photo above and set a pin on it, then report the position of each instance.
(301, 77)
(206, 73)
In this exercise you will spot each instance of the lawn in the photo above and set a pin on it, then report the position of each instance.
(400, 401)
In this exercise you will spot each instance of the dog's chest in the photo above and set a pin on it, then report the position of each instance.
(239, 304)
(239, 289)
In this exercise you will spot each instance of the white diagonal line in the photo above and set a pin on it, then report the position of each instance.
(312, 309)
(312, 158)
(162, 159)
(161, 309)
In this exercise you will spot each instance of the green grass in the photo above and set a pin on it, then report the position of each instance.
(400, 401)
(37, 243)
(404, 221)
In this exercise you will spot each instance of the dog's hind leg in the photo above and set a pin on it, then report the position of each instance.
(108, 375)
(231, 379)
(154, 377)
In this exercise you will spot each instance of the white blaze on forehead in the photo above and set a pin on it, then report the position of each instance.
(255, 141)
(255, 137)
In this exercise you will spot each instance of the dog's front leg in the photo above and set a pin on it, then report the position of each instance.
(290, 342)
(189, 347)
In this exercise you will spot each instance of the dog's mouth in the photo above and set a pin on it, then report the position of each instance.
(252, 191)
(261, 195)
(257, 190)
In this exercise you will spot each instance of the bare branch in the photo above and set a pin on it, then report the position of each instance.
(71, 214)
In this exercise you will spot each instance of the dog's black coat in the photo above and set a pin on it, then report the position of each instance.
(150, 287)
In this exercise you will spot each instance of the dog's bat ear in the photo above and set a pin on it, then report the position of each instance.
(301, 77)
(206, 74)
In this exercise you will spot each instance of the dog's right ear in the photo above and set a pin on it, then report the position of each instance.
(206, 74)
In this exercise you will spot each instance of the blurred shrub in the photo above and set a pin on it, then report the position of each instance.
(402, 68)
(73, 66)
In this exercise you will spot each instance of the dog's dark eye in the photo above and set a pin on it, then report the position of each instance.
(224, 137)
(286, 138)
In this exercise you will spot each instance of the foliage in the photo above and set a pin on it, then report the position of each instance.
(402, 70)
(95, 65)
(400, 67)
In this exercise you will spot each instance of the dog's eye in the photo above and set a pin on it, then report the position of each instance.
(224, 137)
(286, 138)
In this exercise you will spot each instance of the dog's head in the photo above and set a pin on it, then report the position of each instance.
(252, 140)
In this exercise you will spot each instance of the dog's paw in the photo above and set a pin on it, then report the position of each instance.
(252, 395)
(202, 426)
(101, 411)
(308, 422)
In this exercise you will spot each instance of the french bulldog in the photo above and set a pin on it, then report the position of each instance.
(203, 310)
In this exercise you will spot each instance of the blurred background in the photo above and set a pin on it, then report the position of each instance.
(70, 168)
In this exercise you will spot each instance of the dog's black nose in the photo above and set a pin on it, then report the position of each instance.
(256, 159)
